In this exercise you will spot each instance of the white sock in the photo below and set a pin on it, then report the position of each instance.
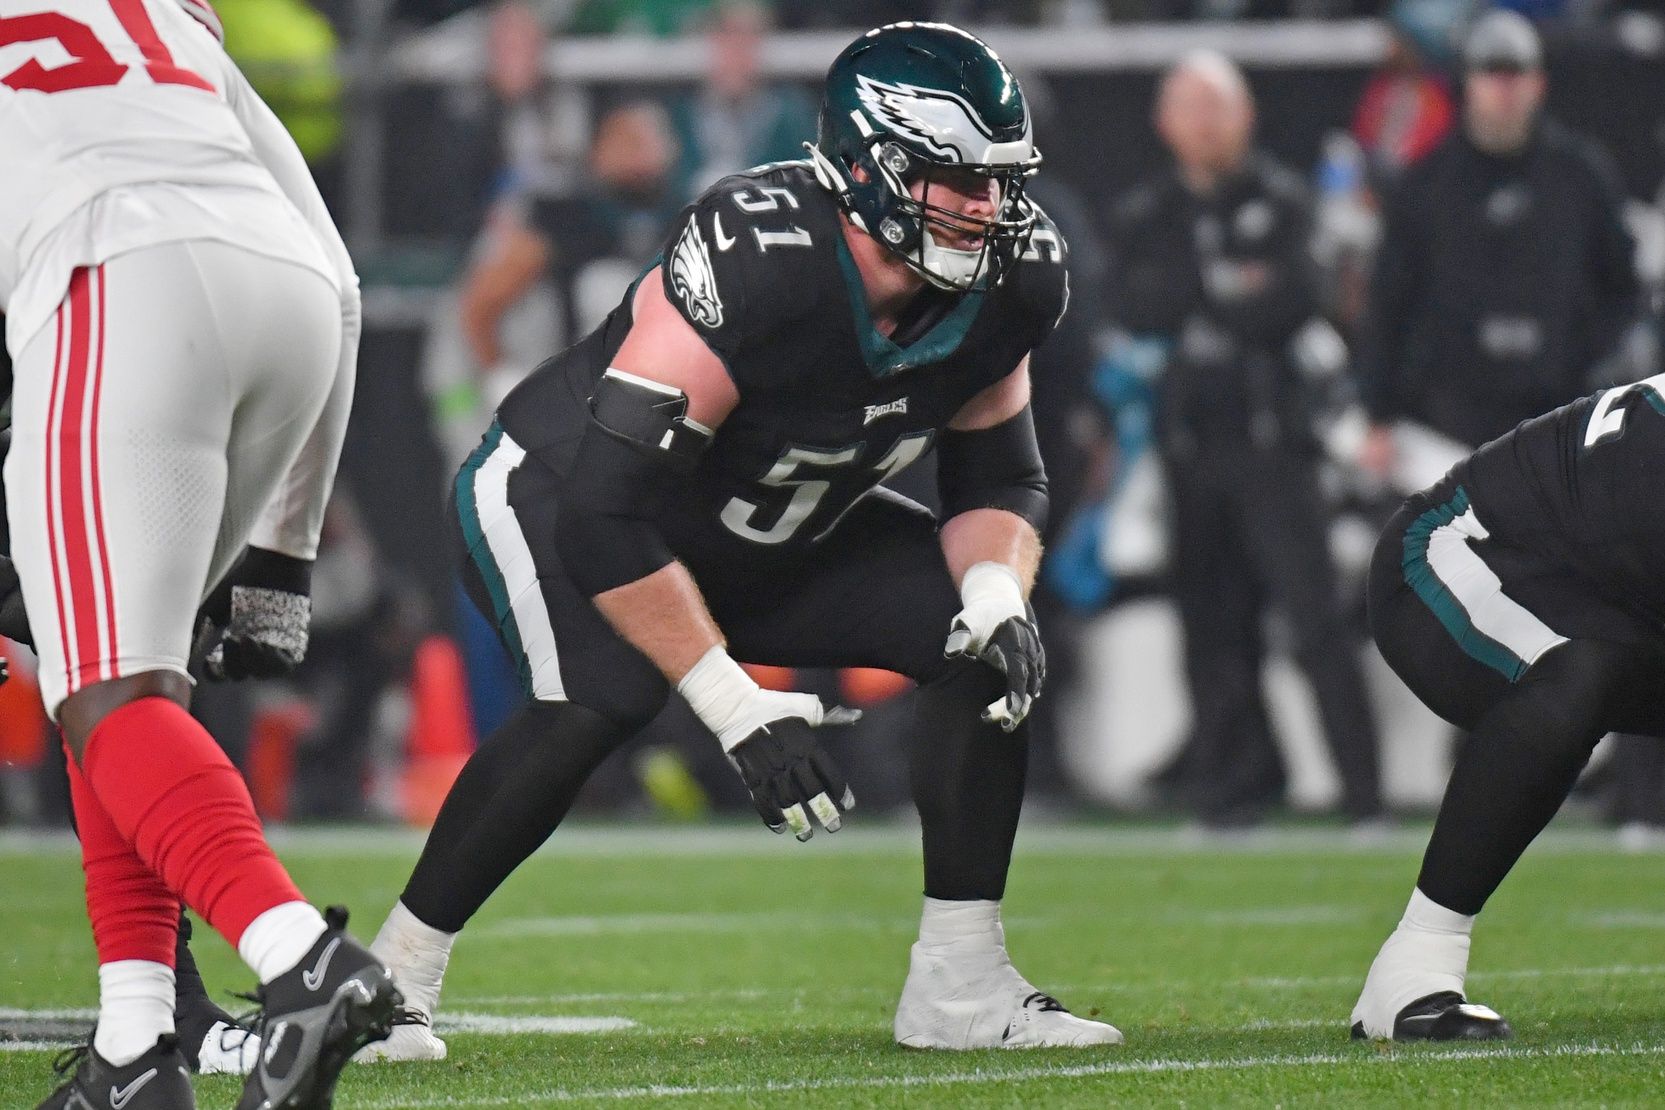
(135, 1006)
(1426, 954)
(1423, 913)
(416, 953)
(964, 927)
(278, 939)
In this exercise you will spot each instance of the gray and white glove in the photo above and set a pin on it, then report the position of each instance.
(997, 626)
(771, 738)
(264, 612)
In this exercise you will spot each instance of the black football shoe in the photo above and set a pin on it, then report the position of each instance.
(312, 1019)
(1446, 1016)
(155, 1081)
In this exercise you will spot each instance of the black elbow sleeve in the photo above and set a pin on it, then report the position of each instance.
(994, 468)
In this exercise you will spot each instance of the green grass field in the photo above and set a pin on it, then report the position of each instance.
(725, 967)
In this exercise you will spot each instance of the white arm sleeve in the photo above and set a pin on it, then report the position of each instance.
(291, 523)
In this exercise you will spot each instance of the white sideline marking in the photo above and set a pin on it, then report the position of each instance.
(74, 1014)
(1363, 1057)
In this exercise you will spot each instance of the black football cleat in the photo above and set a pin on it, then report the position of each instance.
(155, 1081)
(1446, 1016)
(312, 1019)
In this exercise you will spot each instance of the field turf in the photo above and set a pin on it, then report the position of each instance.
(724, 967)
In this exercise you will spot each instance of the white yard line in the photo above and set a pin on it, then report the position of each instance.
(978, 1076)
(1619, 919)
(516, 928)
(501, 1025)
(454, 1021)
(1274, 982)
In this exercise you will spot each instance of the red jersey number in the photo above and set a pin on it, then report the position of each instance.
(90, 65)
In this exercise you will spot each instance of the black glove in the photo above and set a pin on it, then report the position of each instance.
(1014, 649)
(14, 622)
(790, 777)
(264, 608)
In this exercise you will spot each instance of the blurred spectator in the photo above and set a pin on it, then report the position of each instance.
(737, 120)
(1506, 277)
(591, 243)
(1404, 112)
(545, 123)
(1212, 259)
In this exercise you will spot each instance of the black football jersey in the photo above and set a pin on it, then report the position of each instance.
(1582, 487)
(828, 407)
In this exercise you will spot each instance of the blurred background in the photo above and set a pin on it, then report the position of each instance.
(1291, 297)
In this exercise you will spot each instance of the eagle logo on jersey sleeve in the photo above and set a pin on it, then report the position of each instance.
(693, 279)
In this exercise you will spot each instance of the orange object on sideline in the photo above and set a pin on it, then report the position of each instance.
(270, 765)
(441, 736)
(772, 678)
(869, 685)
(22, 717)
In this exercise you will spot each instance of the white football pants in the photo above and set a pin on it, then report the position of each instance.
(153, 419)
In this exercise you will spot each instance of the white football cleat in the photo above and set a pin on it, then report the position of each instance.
(416, 954)
(1424, 960)
(227, 1050)
(412, 1039)
(961, 1000)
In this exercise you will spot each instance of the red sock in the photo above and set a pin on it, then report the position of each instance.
(176, 797)
(134, 915)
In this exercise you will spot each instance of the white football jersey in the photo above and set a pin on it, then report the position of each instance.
(124, 124)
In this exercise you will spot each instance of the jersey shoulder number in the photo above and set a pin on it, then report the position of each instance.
(742, 259)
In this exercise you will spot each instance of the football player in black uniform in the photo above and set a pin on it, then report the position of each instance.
(698, 482)
(1521, 599)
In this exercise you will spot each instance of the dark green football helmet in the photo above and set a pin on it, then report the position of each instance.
(921, 101)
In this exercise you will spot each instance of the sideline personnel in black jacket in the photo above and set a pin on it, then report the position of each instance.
(1213, 257)
(1506, 273)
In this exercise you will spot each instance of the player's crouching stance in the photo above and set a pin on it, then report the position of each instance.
(1520, 598)
(702, 471)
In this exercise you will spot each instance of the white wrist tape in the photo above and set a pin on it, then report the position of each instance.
(720, 692)
(992, 587)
